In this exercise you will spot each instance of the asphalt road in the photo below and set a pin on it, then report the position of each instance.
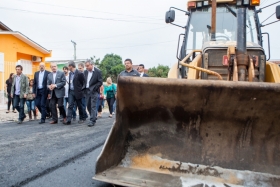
(51, 155)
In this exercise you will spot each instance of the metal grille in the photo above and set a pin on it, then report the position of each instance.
(215, 62)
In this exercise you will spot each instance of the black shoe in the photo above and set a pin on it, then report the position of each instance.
(91, 124)
(67, 123)
(23, 118)
(42, 121)
(81, 121)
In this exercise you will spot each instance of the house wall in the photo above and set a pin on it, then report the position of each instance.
(14, 49)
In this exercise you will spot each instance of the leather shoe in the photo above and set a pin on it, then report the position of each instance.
(81, 121)
(63, 120)
(67, 123)
(42, 121)
(91, 124)
(53, 122)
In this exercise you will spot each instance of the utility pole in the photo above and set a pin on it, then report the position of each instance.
(74, 43)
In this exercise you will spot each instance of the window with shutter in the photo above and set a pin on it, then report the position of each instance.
(1, 62)
(26, 65)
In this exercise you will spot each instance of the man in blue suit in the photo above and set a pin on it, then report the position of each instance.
(41, 90)
(141, 69)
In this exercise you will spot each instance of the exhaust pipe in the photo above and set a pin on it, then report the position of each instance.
(241, 50)
(213, 20)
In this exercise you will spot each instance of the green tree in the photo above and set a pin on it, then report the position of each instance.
(95, 60)
(159, 71)
(111, 66)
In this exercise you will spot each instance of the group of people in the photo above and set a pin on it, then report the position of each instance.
(65, 91)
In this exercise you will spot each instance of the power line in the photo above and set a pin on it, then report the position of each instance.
(125, 46)
(90, 39)
(268, 17)
(76, 16)
(87, 10)
(264, 2)
(264, 21)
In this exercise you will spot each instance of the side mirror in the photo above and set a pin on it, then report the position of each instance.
(278, 12)
(170, 16)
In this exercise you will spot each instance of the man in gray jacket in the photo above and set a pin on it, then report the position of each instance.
(20, 88)
(56, 82)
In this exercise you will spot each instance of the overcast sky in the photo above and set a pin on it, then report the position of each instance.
(130, 28)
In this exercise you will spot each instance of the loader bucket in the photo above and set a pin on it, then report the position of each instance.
(175, 132)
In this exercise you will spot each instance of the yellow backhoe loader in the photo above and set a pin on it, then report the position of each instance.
(215, 121)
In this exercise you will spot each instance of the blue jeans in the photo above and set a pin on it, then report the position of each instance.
(92, 103)
(97, 104)
(102, 104)
(110, 102)
(30, 105)
(114, 106)
(71, 100)
(84, 104)
(19, 106)
(66, 100)
(41, 103)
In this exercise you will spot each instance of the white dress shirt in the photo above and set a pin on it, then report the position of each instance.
(66, 86)
(141, 74)
(41, 77)
(54, 76)
(18, 77)
(89, 77)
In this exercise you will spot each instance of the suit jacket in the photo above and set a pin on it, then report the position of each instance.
(44, 84)
(60, 82)
(96, 80)
(78, 83)
(145, 75)
(24, 85)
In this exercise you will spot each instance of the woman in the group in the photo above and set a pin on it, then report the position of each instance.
(109, 93)
(30, 101)
(101, 98)
(9, 83)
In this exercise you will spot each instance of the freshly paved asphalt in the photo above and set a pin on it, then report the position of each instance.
(33, 154)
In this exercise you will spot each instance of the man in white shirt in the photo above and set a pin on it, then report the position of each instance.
(93, 80)
(66, 100)
(56, 82)
(81, 68)
(141, 70)
(41, 91)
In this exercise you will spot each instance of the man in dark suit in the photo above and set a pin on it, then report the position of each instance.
(56, 82)
(141, 70)
(76, 92)
(93, 81)
(41, 90)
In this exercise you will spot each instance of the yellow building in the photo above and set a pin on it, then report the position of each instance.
(16, 48)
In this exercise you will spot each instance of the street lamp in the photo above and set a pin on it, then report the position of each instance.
(74, 43)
